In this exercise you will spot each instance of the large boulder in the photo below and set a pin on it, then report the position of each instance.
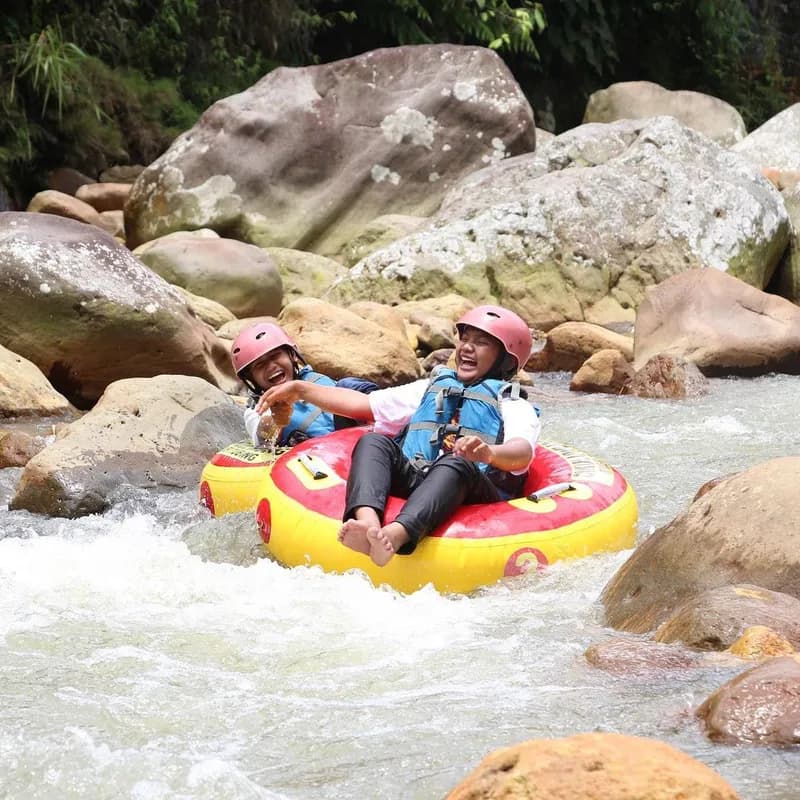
(789, 277)
(143, 432)
(715, 118)
(592, 766)
(774, 144)
(592, 219)
(720, 324)
(240, 276)
(388, 131)
(363, 348)
(87, 312)
(741, 532)
(304, 274)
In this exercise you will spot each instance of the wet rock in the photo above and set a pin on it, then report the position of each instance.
(143, 432)
(668, 377)
(740, 533)
(17, 448)
(709, 485)
(760, 706)
(639, 657)
(760, 642)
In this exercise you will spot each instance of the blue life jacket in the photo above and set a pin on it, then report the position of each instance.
(449, 410)
(307, 420)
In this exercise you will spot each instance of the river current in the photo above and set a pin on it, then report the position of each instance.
(152, 653)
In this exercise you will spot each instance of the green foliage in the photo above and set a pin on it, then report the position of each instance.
(365, 24)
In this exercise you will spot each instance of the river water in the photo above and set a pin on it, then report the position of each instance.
(151, 653)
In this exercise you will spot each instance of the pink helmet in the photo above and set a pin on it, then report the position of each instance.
(510, 329)
(256, 341)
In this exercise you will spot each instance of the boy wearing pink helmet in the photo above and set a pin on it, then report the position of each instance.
(264, 356)
(464, 436)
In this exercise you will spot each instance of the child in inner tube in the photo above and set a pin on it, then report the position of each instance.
(464, 436)
(263, 357)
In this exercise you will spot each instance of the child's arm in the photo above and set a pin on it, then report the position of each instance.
(347, 402)
(510, 456)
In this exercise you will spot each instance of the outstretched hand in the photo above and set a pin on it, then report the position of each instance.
(285, 394)
(473, 448)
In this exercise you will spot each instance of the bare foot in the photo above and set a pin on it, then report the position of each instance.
(354, 534)
(384, 542)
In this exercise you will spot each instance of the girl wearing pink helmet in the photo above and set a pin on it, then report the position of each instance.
(264, 356)
(464, 436)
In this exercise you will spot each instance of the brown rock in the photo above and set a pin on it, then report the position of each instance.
(386, 316)
(668, 377)
(17, 448)
(709, 485)
(24, 390)
(240, 276)
(719, 323)
(605, 371)
(592, 766)
(143, 432)
(639, 657)
(63, 205)
(760, 642)
(314, 324)
(742, 532)
(87, 312)
(716, 618)
(760, 706)
(104, 196)
(571, 343)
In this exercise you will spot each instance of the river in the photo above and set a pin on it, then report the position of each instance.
(152, 653)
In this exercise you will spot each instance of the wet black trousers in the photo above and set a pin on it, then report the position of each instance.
(380, 469)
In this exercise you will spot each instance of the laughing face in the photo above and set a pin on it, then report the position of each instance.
(272, 368)
(476, 354)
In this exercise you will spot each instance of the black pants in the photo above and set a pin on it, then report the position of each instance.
(380, 469)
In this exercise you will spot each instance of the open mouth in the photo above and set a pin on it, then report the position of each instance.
(467, 363)
(279, 376)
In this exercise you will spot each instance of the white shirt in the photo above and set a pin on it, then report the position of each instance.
(394, 407)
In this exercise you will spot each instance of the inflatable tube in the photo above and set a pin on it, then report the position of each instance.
(574, 505)
(230, 482)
